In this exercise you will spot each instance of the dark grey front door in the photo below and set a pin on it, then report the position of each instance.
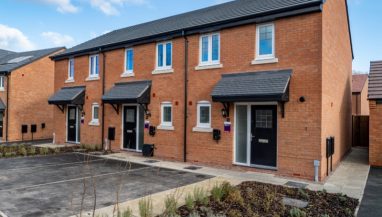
(130, 127)
(264, 135)
(72, 124)
(1, 123)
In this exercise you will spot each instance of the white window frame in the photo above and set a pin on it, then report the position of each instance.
(164, 67)
(127, 71)
(71, 61)
(164, 123)
(96, 74)
(2, 83)
(209, 61)
(203, 125)
(267, 56)
(95, 121)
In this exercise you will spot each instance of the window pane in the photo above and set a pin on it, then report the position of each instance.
(215, 47)
(71, 68)
(241, 134)
(160, 55)
(129, 60)
(168, 54)
(205, 49)
(2, 81)
(96, 66)
(130, 115)
(264, 119)
(91, 65)
(265, 39)
(95, 112)
(204, 114)
(167, 114)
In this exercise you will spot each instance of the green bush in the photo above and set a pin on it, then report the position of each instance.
(220, 191)
(296, 212)
(8, 154)
(31, 150)
(44, 151)
(146, 207)
(23, 151)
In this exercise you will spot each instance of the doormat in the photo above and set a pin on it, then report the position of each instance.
(193, 168)
(296, 184)
(151, 161)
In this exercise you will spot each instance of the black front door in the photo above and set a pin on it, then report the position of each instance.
(130, 127)
(72, 123)
(1, 124)
(264, 136)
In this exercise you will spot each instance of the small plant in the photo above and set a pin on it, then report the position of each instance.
(189, 201)
(303, 194)
(171, 206)
(31, 150)
(296, 212)
(349, 212)
(200, 196)
(23, 151)
(126, 213)
(146, 207)
(8, 154)
(57, 150)
(194, 214)
(325, 215)
(234, 196)
(44, 151)
(1, 155)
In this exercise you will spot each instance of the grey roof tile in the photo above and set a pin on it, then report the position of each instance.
(129, 92)
(68, 95)
(375, 80)
(253, 86)
(8, 61)
(230, 11)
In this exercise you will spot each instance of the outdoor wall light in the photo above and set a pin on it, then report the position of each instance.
(224, 113)
(148, 114)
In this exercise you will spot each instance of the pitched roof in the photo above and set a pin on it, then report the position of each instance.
(213, 16)
(358, 82)
(5, 52)
(13, 60)
(68, 95)
(253, 86)
(128, 92)
(375, 80)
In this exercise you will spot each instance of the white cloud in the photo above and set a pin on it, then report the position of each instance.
(13, 39)
(58, 39)
(63, 6)
(110, 7)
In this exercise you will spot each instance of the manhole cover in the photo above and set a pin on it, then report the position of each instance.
(193, 168)
(296, 184)
(151, 161)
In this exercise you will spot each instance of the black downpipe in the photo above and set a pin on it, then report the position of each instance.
(102, 104)
(185, 95)
(7, 108)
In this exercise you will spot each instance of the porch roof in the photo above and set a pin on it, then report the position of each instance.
(129, 92)
(253, 87)
(68, 95)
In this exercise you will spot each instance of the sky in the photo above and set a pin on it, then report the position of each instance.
(38, 24)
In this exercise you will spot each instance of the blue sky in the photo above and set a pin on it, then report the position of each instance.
(35, 24)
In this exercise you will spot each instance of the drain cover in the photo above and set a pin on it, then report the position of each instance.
(193, 168)
(296, 184)
(151, 161)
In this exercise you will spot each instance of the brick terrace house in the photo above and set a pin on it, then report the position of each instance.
(375, 103)
(249, 84)
(360, 104)
(26, 81)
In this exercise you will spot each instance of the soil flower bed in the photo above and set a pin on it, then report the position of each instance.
(265, 200)
(27, 150)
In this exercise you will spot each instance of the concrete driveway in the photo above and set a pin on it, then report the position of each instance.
(371, 205)
(58, 185)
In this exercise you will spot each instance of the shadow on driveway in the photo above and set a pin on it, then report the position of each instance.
(371, 205)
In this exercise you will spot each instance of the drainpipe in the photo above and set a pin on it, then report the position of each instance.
(7, 108)
(103, 92)
(185, 95)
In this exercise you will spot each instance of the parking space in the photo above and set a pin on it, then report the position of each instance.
(372, 198)
(63, 185)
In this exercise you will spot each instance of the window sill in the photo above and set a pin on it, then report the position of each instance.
(2, 89)
(203, 129)
(69, 81)
(92, 79)
(127, 74)
(265, 61)
(212, 66)
(94, 123)
(162, 71)
(169, 128)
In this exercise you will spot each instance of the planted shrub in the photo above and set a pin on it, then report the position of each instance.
(44, 151)
(302, 193)
(220, 191)
(126, 213)
(145, 207)
(23, 151)
(31, 150)
(200, 196)
(189, 201)
(296, 212)
(171, 206)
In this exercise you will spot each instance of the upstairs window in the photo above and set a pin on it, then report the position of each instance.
(94, 66)
(71, 69)
(164, 55)
(2, 83)
(210, 49)
(265, 37)
(129, 61)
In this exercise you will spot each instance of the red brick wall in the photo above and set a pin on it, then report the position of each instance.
(375, 127)
(298, 47)
(336, 81)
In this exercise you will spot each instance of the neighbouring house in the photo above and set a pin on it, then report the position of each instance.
(375, 104)
(250, 84)
(360, 105)
(26, 81)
